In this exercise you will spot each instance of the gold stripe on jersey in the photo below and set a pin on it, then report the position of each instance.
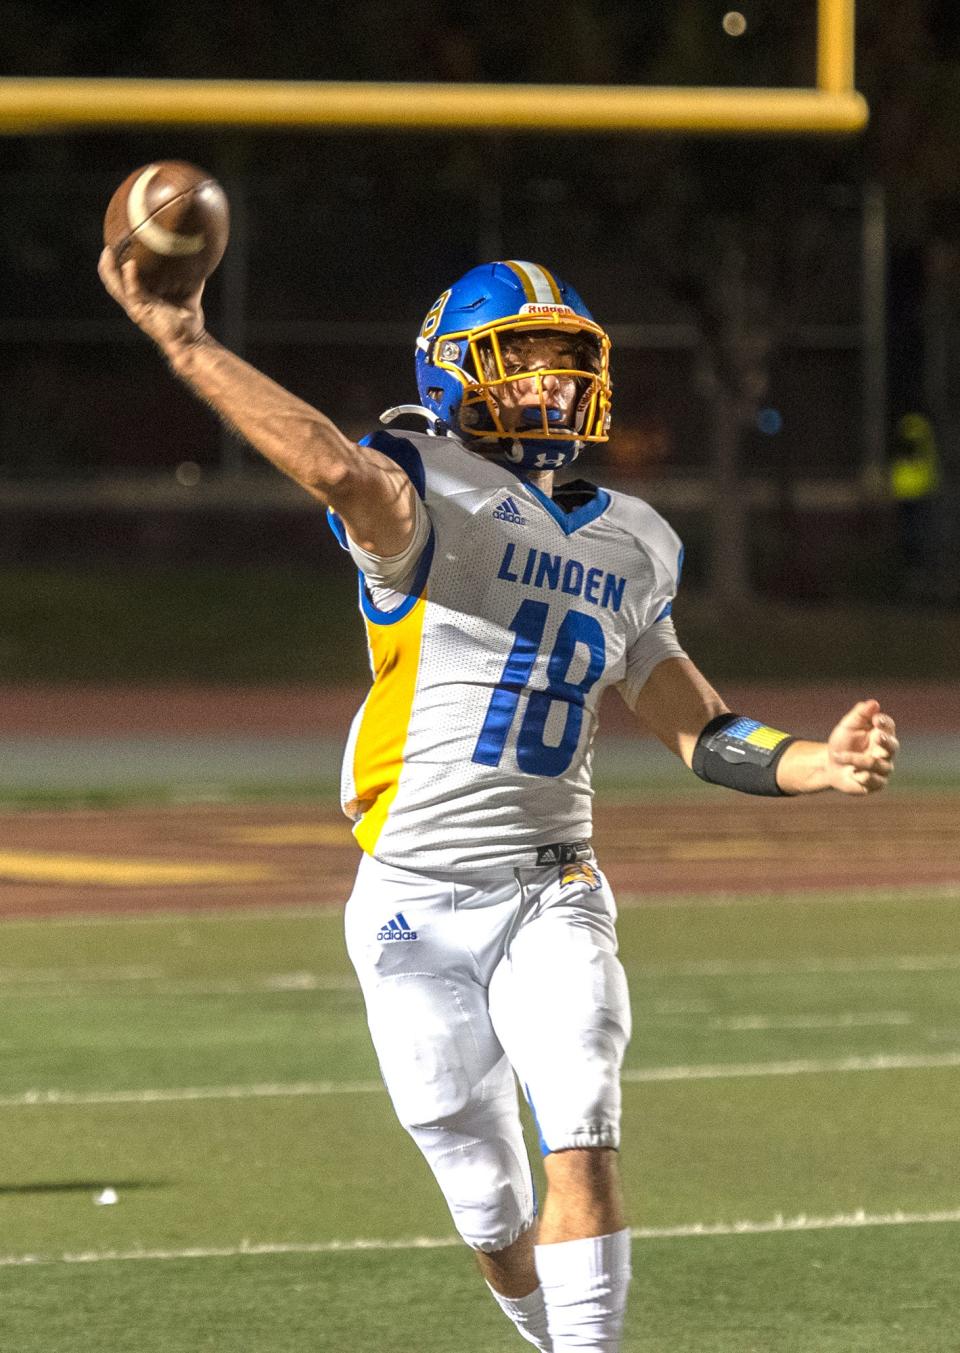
(378, 751)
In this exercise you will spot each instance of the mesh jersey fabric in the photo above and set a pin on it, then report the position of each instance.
(474, 744)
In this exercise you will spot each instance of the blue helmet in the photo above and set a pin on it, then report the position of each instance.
(461, 367)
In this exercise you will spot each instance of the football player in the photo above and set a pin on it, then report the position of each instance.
(498, 606)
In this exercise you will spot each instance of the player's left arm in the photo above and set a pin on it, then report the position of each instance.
(677, 704)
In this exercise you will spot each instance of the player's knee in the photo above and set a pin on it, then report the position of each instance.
(434, 1104)
(492, 1223)
(487, 1187)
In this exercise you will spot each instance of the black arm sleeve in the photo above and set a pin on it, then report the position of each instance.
(741, 754)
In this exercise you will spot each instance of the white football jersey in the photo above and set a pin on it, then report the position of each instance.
(474, 744)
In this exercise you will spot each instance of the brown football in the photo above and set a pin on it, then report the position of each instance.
(173, 220)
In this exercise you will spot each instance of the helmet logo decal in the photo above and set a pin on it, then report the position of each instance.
(434, 315)
(539, 308)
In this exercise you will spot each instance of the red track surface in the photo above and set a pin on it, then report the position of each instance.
(715, 846)
(719, 845)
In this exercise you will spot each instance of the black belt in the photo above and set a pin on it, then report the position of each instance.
(564, 852)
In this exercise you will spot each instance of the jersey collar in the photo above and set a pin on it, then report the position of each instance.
(569, 522)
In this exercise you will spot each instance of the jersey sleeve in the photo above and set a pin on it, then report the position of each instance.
(662, 549)
(652, 647)
(394, 572)
(655, 638)
(388, 580)
(662, 545)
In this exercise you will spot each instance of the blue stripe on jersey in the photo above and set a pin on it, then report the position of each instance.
(402, 453)
(668, 609)
(544, 1149)
(410, 600)
(338, 528)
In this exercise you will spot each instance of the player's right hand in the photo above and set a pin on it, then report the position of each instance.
(172, 325)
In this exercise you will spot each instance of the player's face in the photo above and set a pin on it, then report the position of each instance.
(537, 352)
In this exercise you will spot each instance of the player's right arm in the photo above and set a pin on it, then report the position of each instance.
(370, 493)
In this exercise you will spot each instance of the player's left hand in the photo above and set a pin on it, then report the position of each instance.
(861, 750)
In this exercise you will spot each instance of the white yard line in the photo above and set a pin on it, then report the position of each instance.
(805, 1066)
(184, 1094)
(846, 1019)
(638, 1075)
(841, 1221)
(763, 967)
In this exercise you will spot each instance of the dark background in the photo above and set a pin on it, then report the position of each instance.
(727, 269)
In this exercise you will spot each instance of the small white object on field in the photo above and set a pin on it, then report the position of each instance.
(734, 24)
(106, 1198)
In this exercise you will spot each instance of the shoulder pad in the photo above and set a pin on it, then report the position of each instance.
(652, 532)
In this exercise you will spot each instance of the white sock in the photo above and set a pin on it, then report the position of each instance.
(585, 1288)
(529, 1315)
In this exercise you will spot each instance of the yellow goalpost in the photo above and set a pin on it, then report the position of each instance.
(834, 106)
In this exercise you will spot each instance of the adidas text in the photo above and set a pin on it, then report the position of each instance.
(398, 928)
(509, 510)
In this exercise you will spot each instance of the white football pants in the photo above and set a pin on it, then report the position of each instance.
(469, 981)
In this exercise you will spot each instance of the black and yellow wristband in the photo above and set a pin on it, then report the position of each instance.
(741, 754)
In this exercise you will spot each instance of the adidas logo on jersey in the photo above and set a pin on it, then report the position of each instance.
(509, 510)
(397, 929)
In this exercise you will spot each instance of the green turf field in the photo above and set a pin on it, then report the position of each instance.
(791, 1104)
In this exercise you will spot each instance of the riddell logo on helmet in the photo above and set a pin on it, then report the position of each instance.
(538, 308)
